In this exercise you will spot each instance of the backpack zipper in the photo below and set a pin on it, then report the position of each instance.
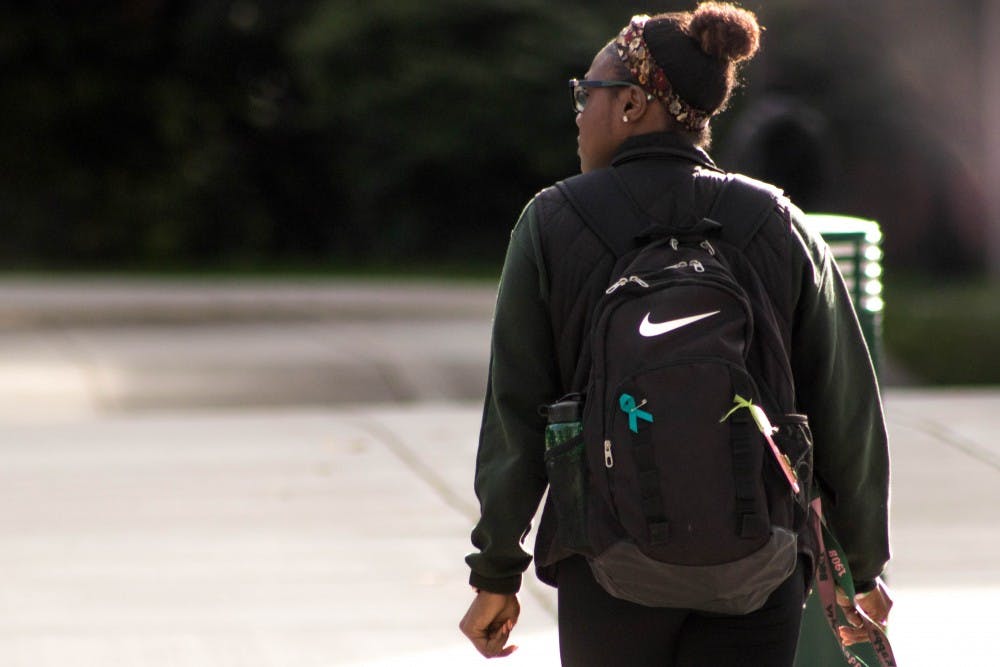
(609, 459)
(621, 282)
(695, 264)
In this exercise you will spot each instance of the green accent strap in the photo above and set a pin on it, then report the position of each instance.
(764, 426)
(832, 570)
(759, 417)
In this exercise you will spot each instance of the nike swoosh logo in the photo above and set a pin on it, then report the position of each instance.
(650, 329)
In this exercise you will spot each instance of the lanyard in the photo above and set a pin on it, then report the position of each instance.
(831, 571)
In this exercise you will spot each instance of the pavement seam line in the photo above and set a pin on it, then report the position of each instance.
(951, 439)
(424, 472)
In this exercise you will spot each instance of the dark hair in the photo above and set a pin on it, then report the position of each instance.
(700, 53)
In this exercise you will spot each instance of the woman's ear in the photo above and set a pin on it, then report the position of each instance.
(636, 103)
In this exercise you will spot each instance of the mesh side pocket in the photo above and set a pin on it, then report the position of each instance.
(795, 439)
(566, 467)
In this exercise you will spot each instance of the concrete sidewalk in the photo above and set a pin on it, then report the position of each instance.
(103, 347)
(38, 303)
(266, 483)
(303, 538)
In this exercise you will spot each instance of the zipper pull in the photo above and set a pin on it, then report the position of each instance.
(674, 243)
(678, 265)
(616, 285)
(698, 266)
(609, 460)
(708, 246)
(638, 281)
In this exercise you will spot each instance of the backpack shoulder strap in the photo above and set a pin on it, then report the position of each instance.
(609, 211)
(598, 199)
(741, 207)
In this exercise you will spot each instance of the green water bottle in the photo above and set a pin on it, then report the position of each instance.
(564, 421)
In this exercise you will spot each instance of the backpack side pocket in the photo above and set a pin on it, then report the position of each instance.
(566, 467)
(794, 439)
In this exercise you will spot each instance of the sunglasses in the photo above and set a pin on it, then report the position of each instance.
(579, 90)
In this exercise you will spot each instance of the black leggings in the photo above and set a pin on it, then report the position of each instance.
(598, 630)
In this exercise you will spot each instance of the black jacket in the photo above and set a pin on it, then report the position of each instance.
(555, 271)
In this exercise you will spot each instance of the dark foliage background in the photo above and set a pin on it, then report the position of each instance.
(254, 133)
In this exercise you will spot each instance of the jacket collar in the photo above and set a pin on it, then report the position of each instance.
(661, 144)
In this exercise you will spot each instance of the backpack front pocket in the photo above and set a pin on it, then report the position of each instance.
(687, 481)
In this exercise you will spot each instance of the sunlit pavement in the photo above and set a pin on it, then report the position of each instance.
(336, 537)
(247, 517)
(927, 630)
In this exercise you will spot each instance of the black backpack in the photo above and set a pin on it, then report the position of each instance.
(691, 482)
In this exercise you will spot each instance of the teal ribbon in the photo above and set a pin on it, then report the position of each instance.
(628, 406)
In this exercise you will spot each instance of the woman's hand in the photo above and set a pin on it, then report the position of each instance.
(871, 607)
(489, 622)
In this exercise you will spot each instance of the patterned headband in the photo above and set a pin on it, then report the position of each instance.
(634, 52)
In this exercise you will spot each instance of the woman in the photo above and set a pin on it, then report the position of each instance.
(644, 109)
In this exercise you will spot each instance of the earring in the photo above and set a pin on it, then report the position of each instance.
(625, 118)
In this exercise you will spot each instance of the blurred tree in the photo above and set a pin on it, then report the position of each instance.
(149, 131)
(229, 130)
(263, 131)
(442, 117)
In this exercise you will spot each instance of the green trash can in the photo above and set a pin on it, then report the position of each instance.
(856, 246)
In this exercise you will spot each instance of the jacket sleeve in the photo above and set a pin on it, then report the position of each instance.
(510, 471)
(837, 388)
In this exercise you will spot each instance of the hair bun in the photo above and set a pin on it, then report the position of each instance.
(725, 31)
